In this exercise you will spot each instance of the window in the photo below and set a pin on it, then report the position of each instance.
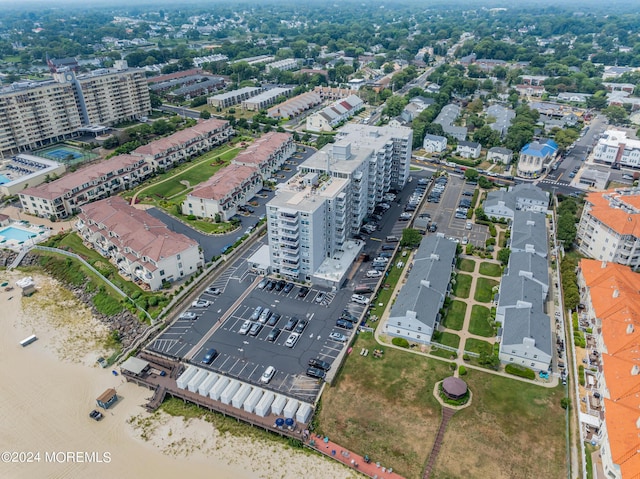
(161, 272)
(397, 331)
(535, 356)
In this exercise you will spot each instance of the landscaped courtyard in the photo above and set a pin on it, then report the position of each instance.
(480, 323)
(454, 318)
(484, 289)
(462, 288)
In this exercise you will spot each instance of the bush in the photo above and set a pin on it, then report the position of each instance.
(400, 342)
(520, 371)
(462, 370)
(565, 403)
(466, 357)
(581, 375)
(107, 305)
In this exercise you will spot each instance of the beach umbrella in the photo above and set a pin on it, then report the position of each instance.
(288, 422)
(279, 422)
(326, 439)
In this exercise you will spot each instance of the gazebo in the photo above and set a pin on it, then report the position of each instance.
(454, 388)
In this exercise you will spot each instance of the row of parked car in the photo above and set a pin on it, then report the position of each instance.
(437, 190)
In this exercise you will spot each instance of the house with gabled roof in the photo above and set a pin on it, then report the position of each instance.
(529, 233)
(416, 311)
(331, 116)
(534, 156)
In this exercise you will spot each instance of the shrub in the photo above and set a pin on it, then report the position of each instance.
(452, 366)
(466, 357)
(462, 370)
(107, 305)
(520, 371)
(565, 403)
(400, 342)
(581, 375)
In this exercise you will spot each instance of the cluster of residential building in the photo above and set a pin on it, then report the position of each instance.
(314, 215)
(609, 296)
(295, 106)
(64, 197)
(415, 314)
(142, 247)
(232, 187)
(33, 114)
(331, 116)
(615, 149)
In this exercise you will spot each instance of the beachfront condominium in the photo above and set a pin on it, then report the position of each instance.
(142, 247)
(609, 228)
(307, 222)
(33, 114)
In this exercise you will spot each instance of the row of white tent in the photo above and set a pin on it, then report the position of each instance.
(252, 399)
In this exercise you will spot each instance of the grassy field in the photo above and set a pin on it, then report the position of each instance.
(448, 339)
(455, 315)
(463, 286)
(385, 293)
(490, 269)
(467, 265)
(479, 323)
(477, 345)
(512, 430)
(185, 177)
(484, 289)
(385, 407)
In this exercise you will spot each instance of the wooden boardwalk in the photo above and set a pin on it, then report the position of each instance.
(447, 414)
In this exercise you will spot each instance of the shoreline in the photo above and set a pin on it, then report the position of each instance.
(51, 386)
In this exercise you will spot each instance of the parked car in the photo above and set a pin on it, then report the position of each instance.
(95, 415)
(244, 329)
(292, 340)
(468, 226)
(358, 298)
(209, 356)
(316, 373)
(388, 247)
(337, 337)
(273, 335)
(212, 290)
(300, 326)
(372, 273)
(255, 329)
(188, 315)
(201, 303)
(267, 375)
(291, 324)
(343, 323)
(303, 291)
(271, 284)
(348, 316)
(319, 363)
(273, 319)
(280, 285)
(256, 313)
(264, 315)
(288, 287)
(320, 297)
(263, 283)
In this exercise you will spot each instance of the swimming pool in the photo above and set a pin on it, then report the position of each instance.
(4, 179)
(17, 234)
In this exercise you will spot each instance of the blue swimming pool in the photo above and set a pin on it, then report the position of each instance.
(4, 179)
(18, 234)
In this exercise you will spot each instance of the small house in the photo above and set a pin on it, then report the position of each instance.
(107, 398)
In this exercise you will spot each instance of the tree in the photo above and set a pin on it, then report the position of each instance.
(616, 114)
(205, 115)
(566, 230)
(486, 136)
(471, 174)
(394, 105)
(411, 238)
(503, 255)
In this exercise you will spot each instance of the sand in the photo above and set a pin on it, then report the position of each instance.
(50, 386)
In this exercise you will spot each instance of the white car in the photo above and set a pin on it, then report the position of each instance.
(201, 303)
(374, 273)
(358, 298)
(267, 375)
(244, 329)
(292, 340)
(338, 337)
(188, 315)
(381, 259)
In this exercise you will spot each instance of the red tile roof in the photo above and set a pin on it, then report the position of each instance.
(604, 209)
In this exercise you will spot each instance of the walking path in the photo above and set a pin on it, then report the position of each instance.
(350, 459)
(447, 414)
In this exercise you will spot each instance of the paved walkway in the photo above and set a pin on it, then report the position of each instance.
(447, 414)
(350, 459)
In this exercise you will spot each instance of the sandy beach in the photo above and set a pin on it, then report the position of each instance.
(50, 386)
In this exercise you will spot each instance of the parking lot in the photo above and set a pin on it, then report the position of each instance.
(225, 317)
(443, 213)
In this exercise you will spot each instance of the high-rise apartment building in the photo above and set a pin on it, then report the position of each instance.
(33, 114)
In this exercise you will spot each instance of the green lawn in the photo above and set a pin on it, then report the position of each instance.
(480, 321)
(394, 400)
(446, 338)
(511, 430)
(454, 318)
(385, 293)
(484, 289)
(462, 286)
(467, 265)
(490, 269)
(477, 345)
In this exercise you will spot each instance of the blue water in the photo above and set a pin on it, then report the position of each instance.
(4, 179)
(17, 234)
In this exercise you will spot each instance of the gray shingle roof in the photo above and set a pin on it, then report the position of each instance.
(529, 228)
(532, 263)
(428, 281)
(522, 323)
(514, 288)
